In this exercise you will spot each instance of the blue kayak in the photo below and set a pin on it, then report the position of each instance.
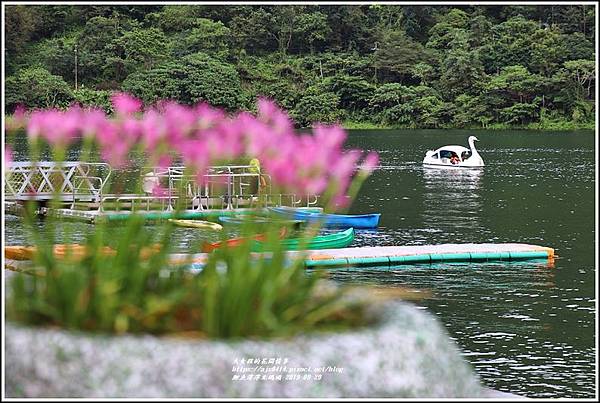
(330, 220)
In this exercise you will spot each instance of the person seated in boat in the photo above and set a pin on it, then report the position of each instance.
(454, 159)
(465, 155)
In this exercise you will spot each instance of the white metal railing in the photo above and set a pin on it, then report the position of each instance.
(44, 180)
(230, 186)
(233, 185)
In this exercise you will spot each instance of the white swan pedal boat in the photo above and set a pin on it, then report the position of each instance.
(455, 156)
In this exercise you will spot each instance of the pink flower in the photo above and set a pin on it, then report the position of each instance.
(116, 153)
(194, 154)
(158, 190)
(332, 137)
(371, 161)
(16, 121)
(92, 122)
(131, 129)
(126, 104)
(269, 112)
(153, 130)
(8, 155)
(164, 161)
(202, 136)
(207, 115)
(57, 128)
(180, 122)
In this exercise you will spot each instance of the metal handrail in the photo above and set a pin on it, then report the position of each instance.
(97, 193)
(37, 175)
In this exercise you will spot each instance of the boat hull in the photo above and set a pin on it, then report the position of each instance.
(360, 221)
(208, 247)
(330, 241)
(450, 166)
(263, 221)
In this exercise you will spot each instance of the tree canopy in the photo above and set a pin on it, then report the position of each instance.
(386, 65)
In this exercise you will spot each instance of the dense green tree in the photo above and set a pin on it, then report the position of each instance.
(249, 31)
(456, 22)
(417, 21)
(316, 105)
(397, 55)
(349, 28)
(94, 50)
(36, 88)
(577, 46)
(195, 78)
(515, 83)
(461, 73)
(56, 55)
(511, 43)
(547, 51)
(390, 64)
(19, 26)
(480, 29)
(401, 105)
(284, 93)
(471, 111)
(174, 18)
(519, 113)
(282, 24)
(581, 74)
(138, 49)
(87, 97)
(424, 72)
(206, 36)
(163, 82)
(210, 80)
(312, 29)
(353, 92)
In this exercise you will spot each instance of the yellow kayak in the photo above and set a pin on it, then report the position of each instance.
(197, 224)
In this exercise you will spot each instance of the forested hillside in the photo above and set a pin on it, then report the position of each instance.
(365, 65)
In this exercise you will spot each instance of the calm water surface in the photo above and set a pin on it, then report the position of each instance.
(526, 328)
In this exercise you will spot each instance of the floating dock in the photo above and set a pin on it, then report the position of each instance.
(390, 256)
(402, 255)
(94, 216)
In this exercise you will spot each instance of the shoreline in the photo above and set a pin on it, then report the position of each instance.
(348, 125)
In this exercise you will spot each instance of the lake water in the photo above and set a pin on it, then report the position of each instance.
(526, 328)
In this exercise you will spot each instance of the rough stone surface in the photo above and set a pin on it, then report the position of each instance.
(408, 354)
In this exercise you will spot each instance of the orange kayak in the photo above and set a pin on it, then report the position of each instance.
(209, 247)
(74, 251)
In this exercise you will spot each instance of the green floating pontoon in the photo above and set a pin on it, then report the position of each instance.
(337, 240)
(451, 253)
(391, 256)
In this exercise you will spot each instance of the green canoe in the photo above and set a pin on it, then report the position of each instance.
(338, 240)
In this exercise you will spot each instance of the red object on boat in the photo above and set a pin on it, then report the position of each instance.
(209, 247)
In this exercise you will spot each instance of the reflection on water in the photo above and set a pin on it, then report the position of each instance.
(457, 192)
